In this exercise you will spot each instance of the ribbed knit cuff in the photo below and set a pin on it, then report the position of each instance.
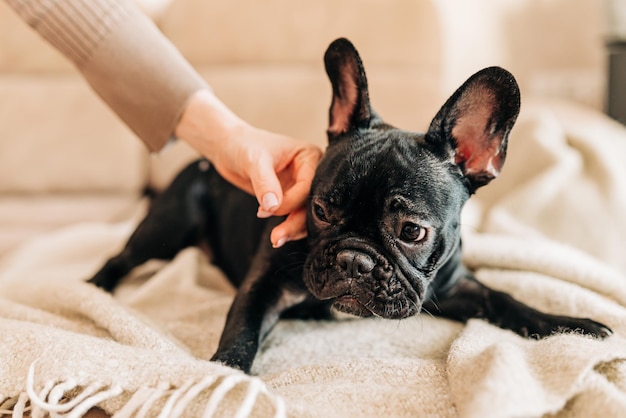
(73, 27)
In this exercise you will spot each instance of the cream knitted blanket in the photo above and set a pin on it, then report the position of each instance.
(551, 231)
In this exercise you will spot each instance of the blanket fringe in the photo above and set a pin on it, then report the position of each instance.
(70, 400)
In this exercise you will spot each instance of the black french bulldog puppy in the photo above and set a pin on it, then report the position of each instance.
(383, 221)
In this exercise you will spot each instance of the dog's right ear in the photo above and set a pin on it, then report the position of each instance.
(350, 108)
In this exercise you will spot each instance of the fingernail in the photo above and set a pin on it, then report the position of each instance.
(263, 213)
(280, 242)
(269, 201)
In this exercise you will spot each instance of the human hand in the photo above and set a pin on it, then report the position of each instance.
(275, 168)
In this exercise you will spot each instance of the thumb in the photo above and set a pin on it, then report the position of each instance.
(266, 186)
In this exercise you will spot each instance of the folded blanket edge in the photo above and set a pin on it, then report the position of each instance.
(74, 400)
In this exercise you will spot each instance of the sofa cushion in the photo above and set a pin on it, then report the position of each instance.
(24, 217)
(22, 49)
(57, 136)
(246, 31)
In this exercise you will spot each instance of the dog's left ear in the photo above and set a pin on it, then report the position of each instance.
(350, 108)
(473, 126)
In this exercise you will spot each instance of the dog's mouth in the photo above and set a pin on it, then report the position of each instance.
(351, 305)
(399, 308)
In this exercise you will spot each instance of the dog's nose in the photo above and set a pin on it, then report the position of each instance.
(355, 263)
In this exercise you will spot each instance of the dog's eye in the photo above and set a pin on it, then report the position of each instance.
(320, 213)
(412, 232)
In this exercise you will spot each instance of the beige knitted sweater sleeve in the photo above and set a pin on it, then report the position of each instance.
(123, 56)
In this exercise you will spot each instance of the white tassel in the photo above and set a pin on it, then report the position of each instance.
(220, 392)
(158, 392)
(281, 410)
(82, 408)
(37, 412)
(48, 400)
(167, 408)
(35, 399)
(133, 403)
(78, 405)
(57, 393)
(20, 407)
(248, 403)
(191, 393)
(254, 387)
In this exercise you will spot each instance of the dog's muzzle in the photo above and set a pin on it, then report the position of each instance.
(361, 281)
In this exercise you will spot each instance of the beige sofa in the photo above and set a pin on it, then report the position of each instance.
(65, 158)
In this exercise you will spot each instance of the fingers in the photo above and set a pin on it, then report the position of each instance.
(294, 198)
(292, 228)
(294, 171)
(266, 186)
(303, 170)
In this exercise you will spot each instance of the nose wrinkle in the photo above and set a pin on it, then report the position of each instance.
(355, 263)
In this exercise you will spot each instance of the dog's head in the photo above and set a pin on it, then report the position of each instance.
(385, 204)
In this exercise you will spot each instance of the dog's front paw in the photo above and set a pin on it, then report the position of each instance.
(548, 325)
(103, 282)
(112, 272)
(237, 359)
